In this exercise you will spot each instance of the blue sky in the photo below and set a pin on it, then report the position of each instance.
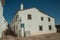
(51, 7)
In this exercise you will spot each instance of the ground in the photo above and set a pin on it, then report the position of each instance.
(53, 36)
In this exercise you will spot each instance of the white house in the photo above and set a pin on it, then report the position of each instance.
(31, 22)
(3, 22)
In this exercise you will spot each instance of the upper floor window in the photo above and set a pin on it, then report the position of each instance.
(50, 27)
(29, 16)
(40, 28)
(17, 17)
(42, 18)
(49, 19)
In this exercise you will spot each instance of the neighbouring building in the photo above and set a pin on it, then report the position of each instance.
(30, 22)
(58, 28)
(3, 22)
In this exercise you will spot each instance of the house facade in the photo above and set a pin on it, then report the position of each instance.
(3, 22)
(31, 22)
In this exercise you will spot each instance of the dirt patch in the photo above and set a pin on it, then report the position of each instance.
(53, 36)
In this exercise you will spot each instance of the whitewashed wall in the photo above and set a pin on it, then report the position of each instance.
(33, 25)
(1, 9)
(3, 22)
(3, 25)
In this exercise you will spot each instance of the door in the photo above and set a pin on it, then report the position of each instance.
(22, 30)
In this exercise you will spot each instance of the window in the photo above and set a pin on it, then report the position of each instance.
(40, 28)
(29, 16)
(50, 27)
(42, 18)
(22, 25)
(17, 17)
(49, 19)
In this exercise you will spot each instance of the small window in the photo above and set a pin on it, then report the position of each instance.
(17, 17)
(50, 27)
(40, 28)
(42, 18)
(49, 19)
(22, 25)
(29, 16)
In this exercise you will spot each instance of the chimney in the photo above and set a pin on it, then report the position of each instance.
(21, 6)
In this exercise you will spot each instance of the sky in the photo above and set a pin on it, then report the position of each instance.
(50, 7)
